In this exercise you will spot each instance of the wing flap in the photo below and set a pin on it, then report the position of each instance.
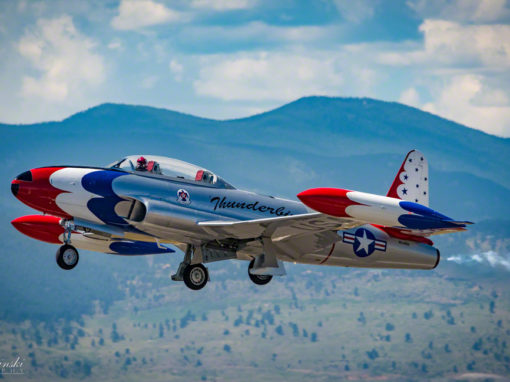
(278, 228)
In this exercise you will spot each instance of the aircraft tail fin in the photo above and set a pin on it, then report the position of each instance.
(412, 180)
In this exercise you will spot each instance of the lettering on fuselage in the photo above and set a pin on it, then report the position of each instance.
(223, 203)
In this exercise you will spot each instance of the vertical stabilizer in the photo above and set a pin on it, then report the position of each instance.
(412, 180)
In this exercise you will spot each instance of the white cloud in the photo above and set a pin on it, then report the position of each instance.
(223, 5)
(65, 58)
(479, 11)
(267, 76)
(488, 45)
(115, 45)
(176, 68)
(468, 100)
(410, 97)
(464, 68)
(449, 43)
(135, 14)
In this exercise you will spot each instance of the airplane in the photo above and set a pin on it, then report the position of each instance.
(144, 204)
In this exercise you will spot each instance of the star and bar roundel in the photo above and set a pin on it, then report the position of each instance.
(363, 242)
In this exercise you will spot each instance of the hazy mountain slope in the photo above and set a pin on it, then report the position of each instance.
(330, 127)
(341, 127)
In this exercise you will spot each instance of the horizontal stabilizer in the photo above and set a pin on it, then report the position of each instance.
(460, 223)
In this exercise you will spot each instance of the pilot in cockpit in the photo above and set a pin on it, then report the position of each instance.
(141, 164)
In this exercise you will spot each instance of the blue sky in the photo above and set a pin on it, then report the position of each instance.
(232, 58)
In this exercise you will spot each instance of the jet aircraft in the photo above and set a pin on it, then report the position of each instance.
(143, 205)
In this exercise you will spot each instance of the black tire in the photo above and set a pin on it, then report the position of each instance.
(195, 276)
(258, 279)
(67, 257)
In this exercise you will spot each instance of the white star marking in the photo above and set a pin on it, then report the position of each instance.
(364, 242)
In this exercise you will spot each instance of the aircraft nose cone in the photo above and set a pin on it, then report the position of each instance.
(14, 188)
(34, 189)
(16, 183)
(25, 176)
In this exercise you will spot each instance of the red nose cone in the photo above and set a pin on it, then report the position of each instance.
(41, 227)
(35, 190)
(330, 201)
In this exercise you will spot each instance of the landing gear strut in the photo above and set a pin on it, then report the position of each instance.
(195, 276)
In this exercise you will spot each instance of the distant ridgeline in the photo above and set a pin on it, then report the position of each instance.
(312, 142)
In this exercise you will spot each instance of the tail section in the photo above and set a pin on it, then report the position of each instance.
(412, 180)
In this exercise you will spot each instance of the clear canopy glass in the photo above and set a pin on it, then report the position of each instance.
(169, 167)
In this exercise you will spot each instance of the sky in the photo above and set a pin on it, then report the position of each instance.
(233, 58)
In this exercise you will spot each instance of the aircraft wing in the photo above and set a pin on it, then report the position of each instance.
(308, 232)
(279, 228)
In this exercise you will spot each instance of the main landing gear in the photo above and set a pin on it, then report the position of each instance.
(258, 279)
(195, 276)
(67, 256)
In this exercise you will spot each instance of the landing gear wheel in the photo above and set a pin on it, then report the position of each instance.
(258, 279)
(195, 276)
(67, 257)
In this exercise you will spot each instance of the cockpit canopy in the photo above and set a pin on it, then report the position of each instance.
(168, 167)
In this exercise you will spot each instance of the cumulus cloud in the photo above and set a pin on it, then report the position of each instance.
(267, 76)
(410, 97)
(115, 45)
(64, 57)
(135, 14)
(448, 43)
(223, 5)
(465, 67)
(488, 45)
(176, 68)
(468, 100)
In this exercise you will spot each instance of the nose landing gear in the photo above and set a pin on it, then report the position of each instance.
(67, 256)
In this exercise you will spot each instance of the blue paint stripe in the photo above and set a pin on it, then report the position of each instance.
(100, 183)
(422, 210)
(126, 247)
(422, 222)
